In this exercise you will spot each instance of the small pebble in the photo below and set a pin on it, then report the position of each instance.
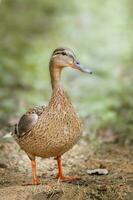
(97, 171)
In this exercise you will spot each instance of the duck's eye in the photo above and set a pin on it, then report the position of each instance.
(64, 54)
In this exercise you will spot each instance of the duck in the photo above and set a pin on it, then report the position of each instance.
(50, 131)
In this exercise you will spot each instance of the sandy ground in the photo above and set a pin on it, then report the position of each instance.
(15, 174)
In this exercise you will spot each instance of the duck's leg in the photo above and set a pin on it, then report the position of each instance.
(60, 171)
(35, 181)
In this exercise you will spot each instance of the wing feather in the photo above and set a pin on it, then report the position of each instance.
(28, 120)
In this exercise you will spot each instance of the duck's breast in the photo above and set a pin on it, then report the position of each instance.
(56, 131)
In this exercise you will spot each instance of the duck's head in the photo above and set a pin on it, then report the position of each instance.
(64, 57)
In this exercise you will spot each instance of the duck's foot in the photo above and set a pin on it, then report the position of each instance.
(35, 181)
(60, 172)
(68, 178)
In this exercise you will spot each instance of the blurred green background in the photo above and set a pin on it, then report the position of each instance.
(101, 34)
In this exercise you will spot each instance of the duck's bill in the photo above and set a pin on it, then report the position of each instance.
(82, 68)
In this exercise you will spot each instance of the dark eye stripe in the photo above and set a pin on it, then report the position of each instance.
(64, 54)
(60, 52)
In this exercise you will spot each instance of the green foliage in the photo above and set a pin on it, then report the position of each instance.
(100, 32)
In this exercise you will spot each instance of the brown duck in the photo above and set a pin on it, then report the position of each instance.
(50, 131)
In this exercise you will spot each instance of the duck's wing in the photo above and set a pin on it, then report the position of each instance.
(28, 120)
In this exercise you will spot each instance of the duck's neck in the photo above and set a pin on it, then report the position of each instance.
(59, 96)
(58, 93)
(55, 74)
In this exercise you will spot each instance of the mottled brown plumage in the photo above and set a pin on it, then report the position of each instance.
(50, 131)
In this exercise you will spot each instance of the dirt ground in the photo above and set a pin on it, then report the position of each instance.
(15, 174)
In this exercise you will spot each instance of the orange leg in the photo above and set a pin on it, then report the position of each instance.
(35, 181)
(60, 171)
